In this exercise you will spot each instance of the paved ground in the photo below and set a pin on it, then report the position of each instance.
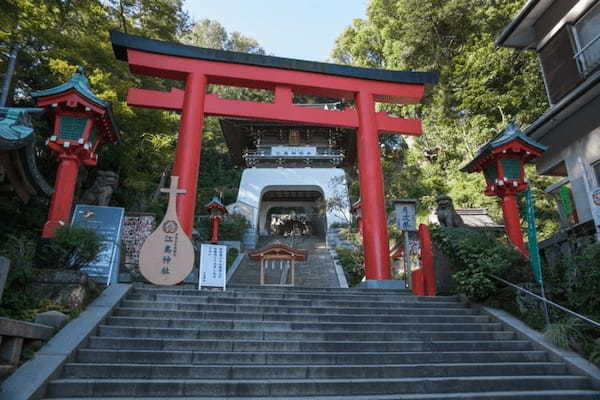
(318, 271)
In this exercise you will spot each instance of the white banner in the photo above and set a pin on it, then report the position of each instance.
(213, 268)
(293, 151)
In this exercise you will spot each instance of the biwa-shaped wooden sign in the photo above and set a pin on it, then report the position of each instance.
(167, 256)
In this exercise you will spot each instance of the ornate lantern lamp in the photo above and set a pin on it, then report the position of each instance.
(356, 211)
(502, 160)
(216, 211)
(82, 121)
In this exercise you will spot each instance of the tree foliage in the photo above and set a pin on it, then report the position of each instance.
(481, 88)
(54, 37)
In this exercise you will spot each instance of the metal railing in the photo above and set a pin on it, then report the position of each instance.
(550, 302)
(589, 55)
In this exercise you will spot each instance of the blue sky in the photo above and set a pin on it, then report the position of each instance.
(304, 29)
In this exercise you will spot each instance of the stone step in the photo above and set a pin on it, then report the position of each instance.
(347, 336)
(279, 289)
(292, 295)
(307, 387)
(506, 395)
(401, 327)
(241, 315)
(190, 371)
(409, 302)
(139, 343)
(283, 309)
(291, 358)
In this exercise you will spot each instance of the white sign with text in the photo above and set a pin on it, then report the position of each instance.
(213, 268)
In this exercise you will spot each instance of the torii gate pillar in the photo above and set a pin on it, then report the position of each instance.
(198, 67)
(375, 236)
(189, 147)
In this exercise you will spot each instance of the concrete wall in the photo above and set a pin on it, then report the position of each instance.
(257, 181)
(576, 141)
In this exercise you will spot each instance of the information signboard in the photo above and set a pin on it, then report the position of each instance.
(406, 214)
(293, 151)
(108, 222)
(213, 270)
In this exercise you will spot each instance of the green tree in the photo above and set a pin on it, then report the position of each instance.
(481, 88)
(54, 37)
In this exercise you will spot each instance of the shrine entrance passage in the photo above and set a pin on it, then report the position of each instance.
(198, 67)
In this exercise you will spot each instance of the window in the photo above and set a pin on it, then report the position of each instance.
(596, 169)
(587, 38)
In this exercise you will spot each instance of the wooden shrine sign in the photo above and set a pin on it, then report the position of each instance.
(167, 256)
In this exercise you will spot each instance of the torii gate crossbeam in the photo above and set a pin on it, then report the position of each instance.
(198, 67)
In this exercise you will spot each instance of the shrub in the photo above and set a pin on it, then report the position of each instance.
(353, 263)
(17, 300)
(232, 227)
(583, 295)
(71, 247)
(566, 334)
(232, 254)
(475, 255)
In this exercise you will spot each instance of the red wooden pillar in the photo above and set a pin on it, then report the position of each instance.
(214, 228)
(62, 198)
(510, 210)
(375, 237)
(189, 145)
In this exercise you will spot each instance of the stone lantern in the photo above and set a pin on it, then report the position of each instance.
(216, 211)
(356, 211)
(82, 121)
(502, 160)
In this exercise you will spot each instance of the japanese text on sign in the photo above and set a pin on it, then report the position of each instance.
(213, 269)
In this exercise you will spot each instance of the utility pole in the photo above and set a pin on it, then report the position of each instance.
(10, 70)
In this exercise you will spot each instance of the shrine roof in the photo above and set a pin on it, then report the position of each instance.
(15, 127)
(510, 133)
(216, 202)
(78, 82)
(279, 249)
(122, 41)
(238, 138)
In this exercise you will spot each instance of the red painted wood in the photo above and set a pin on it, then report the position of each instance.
(71, 98)
(418, 282)
(62, 198)
(177, 68)
(214, 229)
(194, 105)
(189, 145)
(375, 238)
(279, 112)
(510, 211)
(428, 272)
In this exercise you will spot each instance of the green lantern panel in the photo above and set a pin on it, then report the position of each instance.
(490, 172)
(72, 128)
(511, 168)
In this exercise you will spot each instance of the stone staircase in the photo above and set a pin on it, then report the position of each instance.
(299, 343)
(317, 272)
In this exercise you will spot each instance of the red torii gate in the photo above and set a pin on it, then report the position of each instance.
(198, 67)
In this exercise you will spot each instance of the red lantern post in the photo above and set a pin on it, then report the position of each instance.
(356, 211)
(502, 160)
(217, 211)
(81, 122)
